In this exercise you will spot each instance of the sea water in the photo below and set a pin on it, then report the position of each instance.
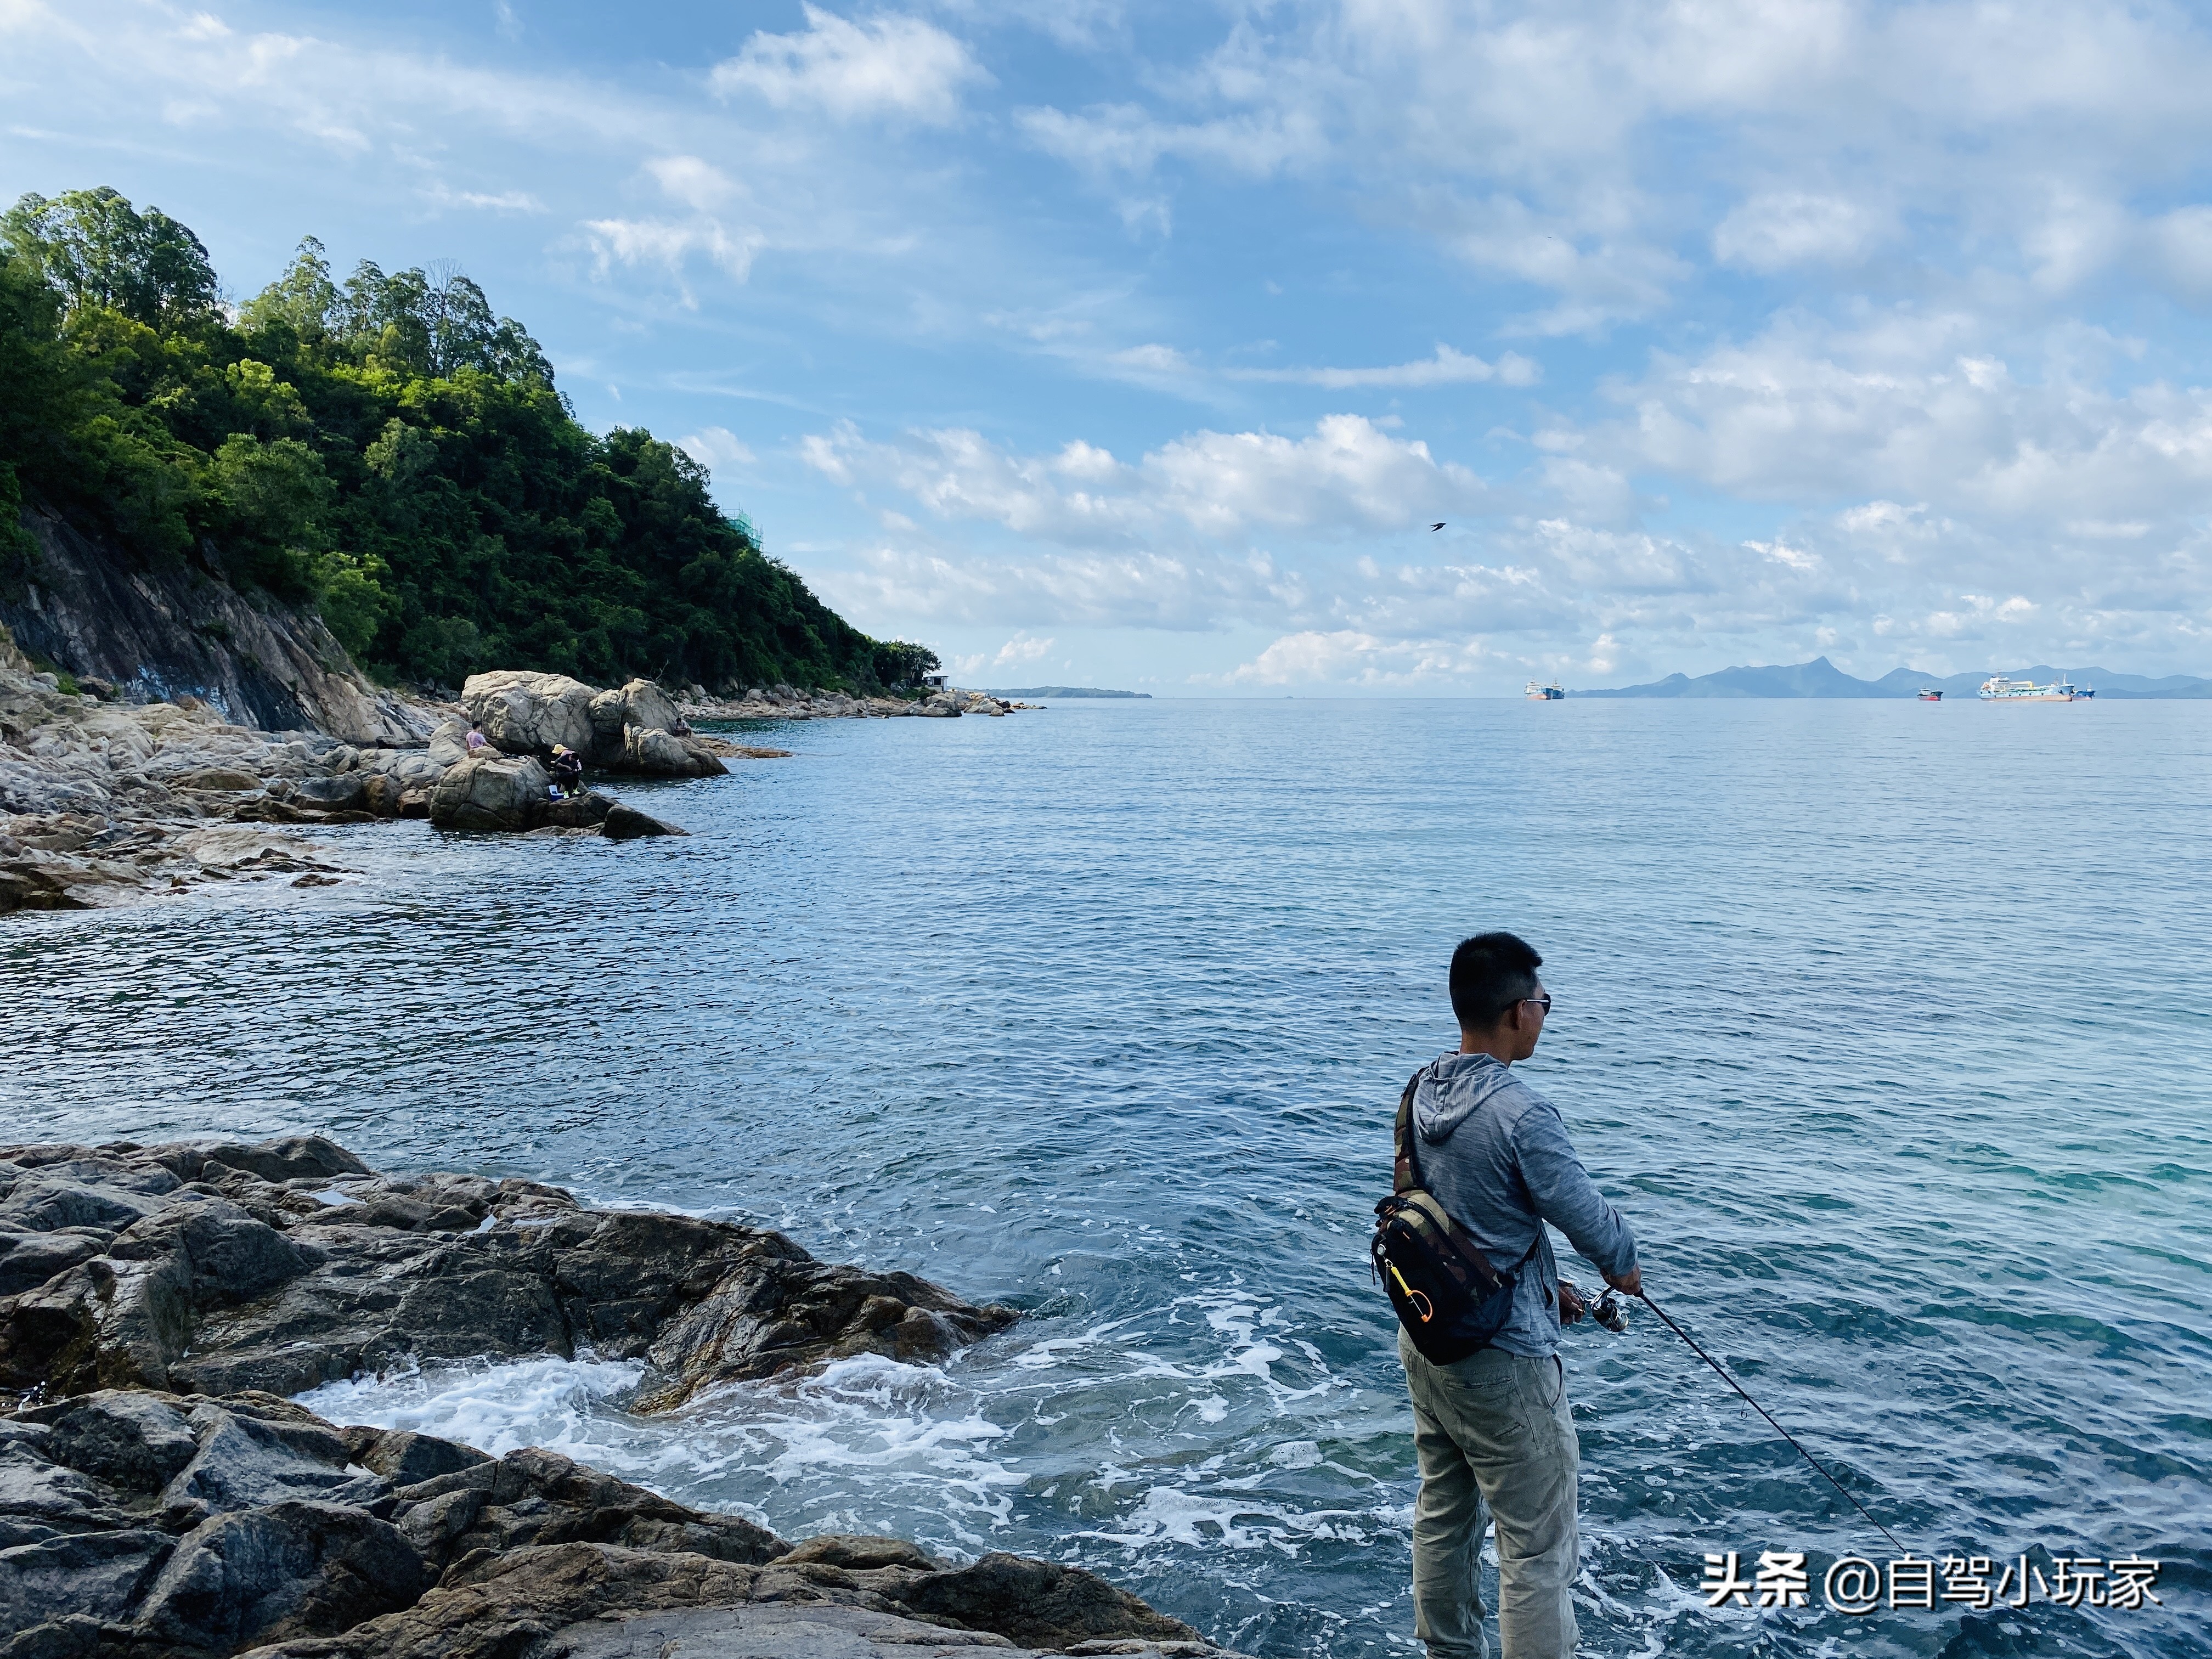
(1888, 1026)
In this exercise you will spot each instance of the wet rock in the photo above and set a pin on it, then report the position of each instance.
(509, 1606)
(534, 1498)
(624, 822)
(584, 812)
(1042, 1603)
(242, 1280)
(29, 1260)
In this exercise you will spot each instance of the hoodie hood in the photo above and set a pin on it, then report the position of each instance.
(1452, 1090)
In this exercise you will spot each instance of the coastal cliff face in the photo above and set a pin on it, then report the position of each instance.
(160, 1499)
(159, 634)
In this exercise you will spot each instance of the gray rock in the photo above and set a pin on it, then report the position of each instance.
(37, 1491)
(39, 1204)
(776, 1630)
(98, 1575)
(291, 1570)
(490, 794)
(242, 1461)
(624, 822)
(29, 1260)
(135, 1442)
(344, 792)
(659, 753)
(412, 1271)
(408, 1459)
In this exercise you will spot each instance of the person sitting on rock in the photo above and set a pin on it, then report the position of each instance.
(478, 745)
(567, 771)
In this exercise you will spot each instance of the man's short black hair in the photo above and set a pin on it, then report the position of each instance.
(1489, 973)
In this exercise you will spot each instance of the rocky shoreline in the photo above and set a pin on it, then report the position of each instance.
(105, 801)
(161, 1499)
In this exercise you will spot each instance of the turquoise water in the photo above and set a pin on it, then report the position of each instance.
(1889, 1026)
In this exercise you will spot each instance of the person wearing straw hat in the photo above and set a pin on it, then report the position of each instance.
(567, 770)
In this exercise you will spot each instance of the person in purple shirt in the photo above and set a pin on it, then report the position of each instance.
(1492, 1431)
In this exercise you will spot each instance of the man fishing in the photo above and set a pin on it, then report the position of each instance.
(1492, 1430)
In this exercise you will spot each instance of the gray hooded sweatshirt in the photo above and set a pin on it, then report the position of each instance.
(1495, 1154)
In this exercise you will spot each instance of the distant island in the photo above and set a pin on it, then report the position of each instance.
(1066, 691)
(1822, 679)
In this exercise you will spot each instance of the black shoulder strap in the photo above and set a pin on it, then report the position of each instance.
(1406, 1174)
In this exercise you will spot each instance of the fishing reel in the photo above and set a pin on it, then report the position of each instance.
(1608, 1312)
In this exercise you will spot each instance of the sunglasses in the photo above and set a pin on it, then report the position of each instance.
(1543, 1001)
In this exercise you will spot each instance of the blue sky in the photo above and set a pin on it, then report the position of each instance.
(1140, 345)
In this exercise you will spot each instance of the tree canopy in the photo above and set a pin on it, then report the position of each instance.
(387, 449)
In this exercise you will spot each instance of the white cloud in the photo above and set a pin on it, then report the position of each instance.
(1907, 406)
(1447, 368)
(509, 201)
(697, 184)
(1780, 228)
(891, 65)
(671, 243)
(1021, 649)
(717, 447)
(1347, 475)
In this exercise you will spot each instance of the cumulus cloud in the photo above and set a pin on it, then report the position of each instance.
(1579, 148)
(1914, 405)
(889, 66)
(1347, 474)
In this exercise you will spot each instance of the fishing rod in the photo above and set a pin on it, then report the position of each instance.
(1721, 1372)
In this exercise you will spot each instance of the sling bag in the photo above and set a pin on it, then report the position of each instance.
(1449, 1298)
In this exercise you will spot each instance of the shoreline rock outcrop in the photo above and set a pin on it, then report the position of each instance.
(782, 702)
(161, 1499)
(636, 728)
(104, 802)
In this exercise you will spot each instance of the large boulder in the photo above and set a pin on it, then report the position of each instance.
(657, 753)
(490, 794)
(526, 714)
(634, 728)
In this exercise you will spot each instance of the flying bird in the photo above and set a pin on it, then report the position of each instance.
(1434, 528)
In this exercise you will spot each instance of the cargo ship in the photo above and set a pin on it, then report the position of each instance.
(1551, 693)
(1998, 689)
(1930, 694)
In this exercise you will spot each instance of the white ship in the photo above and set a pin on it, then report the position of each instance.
(1551, 693)
(1998, 689)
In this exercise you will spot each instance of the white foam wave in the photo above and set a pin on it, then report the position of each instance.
(497, 1407)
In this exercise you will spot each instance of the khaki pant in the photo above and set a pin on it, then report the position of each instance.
(1492, 1431)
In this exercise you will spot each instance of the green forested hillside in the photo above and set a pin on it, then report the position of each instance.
(386, 449)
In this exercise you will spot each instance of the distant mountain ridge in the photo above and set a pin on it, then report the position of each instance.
(1066, 691)
(1822, 679)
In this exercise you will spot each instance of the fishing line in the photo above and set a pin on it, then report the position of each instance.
(1777, 1427)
